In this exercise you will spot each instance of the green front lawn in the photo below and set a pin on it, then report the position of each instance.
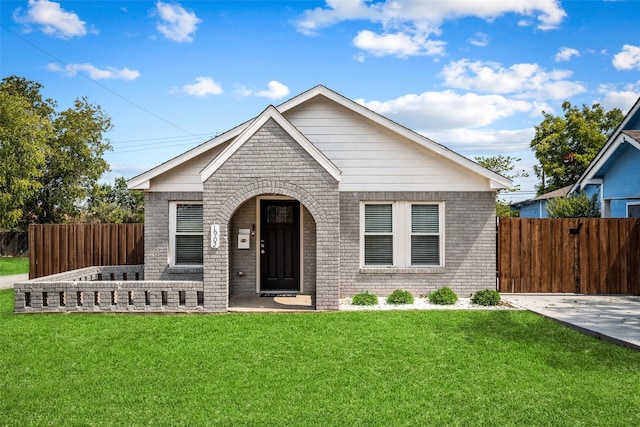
(13, 265)
(342, 369)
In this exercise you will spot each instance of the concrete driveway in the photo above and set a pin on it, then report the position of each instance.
(613, 318)
(6, 282)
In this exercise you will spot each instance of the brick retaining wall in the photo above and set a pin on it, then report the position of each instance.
(107, 289)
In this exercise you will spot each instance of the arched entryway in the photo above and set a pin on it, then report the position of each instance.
(268, 211)
(272, 247)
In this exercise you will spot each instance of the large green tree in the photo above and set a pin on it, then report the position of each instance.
(114, 203)
(565, 145)
(23, 136)
(50, 159)
(505, 166)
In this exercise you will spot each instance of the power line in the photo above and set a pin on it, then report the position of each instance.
(97, 83)
(126, 141)
(155, 143)
(115, 152)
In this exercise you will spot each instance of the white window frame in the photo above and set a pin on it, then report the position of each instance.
(173, 215)
(631, 204)
(393, 233)
(408, 233)
(401, 213)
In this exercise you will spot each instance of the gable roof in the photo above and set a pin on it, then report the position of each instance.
(620, 136)
(249, 131)
(497, 180)
(560, 192)
(142, 181)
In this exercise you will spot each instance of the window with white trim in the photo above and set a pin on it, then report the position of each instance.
(378, 234)
(186, 244)
(633, 210)
(402, 234)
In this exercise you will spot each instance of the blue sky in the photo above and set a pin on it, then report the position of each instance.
(472, 75)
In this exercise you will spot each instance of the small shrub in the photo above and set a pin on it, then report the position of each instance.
(486, 297)
(443, 296)
(364, 298)
(400, 297)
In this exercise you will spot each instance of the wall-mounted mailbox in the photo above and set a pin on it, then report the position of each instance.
(244, 238)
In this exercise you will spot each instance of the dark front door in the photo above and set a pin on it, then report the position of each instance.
(279, 245)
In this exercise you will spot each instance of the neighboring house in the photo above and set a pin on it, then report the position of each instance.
(537, 206)
(323, 197)
(614, 174)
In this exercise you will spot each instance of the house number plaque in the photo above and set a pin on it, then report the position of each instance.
(215, 236)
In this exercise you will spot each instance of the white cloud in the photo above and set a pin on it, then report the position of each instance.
(479, 39)
(53, 20)
(407, 25)
(94, 72)
(400, 44)
(425, 15)
(448, 109)
(622, 98)
(204, 86)
(628, 59)
(465, 140)
(566, 53)
(337, 11)
(524, 80)
(243, 91)
(276, 90)
(176, 23)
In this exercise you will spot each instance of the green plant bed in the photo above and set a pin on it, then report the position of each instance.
(13, 265)
(443, 296)
(364, 298)
(365, 368)
(486, 297)
(399, 296)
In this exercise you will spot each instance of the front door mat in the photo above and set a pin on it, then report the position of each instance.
(277, 294)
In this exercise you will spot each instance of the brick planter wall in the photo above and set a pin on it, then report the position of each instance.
(107, 289)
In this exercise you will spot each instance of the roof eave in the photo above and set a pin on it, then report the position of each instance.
(142, 181)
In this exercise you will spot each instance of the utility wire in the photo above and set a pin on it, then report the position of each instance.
(116, 151)
(127, 141)
(98, 83)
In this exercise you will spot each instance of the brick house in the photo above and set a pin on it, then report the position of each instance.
(320, 196)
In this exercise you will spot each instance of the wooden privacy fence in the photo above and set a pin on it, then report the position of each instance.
(576, 255)
(13, 243)
(56, 248)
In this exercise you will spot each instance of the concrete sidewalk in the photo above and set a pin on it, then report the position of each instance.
(613, 318)
(6, 282)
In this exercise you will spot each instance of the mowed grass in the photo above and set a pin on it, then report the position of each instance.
(13, 265)
(340, 369)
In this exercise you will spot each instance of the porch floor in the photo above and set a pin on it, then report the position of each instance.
(256, 303)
